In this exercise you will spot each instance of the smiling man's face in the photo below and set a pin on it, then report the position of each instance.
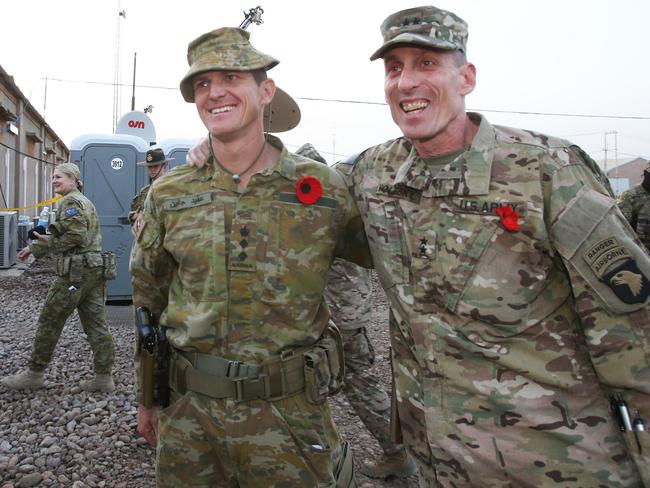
(426, 90)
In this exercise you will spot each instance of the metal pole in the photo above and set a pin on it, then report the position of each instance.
(133, 94)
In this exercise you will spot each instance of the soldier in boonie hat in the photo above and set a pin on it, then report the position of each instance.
(156, 164)
(427, 27)
(229, 49)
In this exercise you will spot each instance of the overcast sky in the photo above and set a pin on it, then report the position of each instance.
(580, 57)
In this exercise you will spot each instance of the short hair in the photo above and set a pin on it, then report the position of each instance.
(259, 75)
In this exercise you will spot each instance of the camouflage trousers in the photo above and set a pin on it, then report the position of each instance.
(364, 389)
(60, 302)
(256, 444)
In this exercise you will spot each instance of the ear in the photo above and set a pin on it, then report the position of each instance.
(468, 74)
(267, 88)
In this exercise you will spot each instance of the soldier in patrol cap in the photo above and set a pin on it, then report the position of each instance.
(635, 205)
(520, 297)
(156, 164)
(348, 295)
(231, 259)
(75, 240)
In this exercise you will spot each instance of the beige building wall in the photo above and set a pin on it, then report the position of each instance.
(29, 150)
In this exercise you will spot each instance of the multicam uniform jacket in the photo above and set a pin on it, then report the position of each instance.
(510, 335)
(635, 205)
(237, 274)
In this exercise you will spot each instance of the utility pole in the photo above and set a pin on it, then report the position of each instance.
(135, 55)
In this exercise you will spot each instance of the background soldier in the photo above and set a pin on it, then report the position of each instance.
(156, 164)
(231, 258)
(75, 240)
(635, 205)
(520, 297)
(348, 296)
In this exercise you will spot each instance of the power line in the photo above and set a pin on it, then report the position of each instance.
(365, 102)
(27, 155)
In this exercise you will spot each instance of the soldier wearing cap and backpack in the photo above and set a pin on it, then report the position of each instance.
(156, 164)
(230, 261)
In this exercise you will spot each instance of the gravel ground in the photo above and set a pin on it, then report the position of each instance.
(61, 436)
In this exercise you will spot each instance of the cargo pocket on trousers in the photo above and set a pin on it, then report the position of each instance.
(305, 424)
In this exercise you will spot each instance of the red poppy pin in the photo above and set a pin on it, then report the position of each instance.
(509, 218)
(309, 189)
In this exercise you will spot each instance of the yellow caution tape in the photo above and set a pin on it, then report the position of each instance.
(39, 204)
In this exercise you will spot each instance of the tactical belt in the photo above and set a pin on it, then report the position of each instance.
(217, 377)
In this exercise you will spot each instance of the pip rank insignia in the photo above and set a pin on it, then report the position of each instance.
(628, 282)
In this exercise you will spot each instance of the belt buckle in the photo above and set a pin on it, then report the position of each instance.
(232, 370)
(240, 391)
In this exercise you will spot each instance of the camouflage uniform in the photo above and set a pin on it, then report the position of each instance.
(635, 206)
(348, 294)
(240, 275)
(507, 343)
(137, 204)
(75, 240)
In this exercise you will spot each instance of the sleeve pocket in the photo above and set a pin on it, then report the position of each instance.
(591, 235)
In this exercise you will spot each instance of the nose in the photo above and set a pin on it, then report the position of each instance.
(408, 79)
(216, 90)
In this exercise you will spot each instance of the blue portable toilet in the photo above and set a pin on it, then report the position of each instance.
(176, 149)
(111, 180)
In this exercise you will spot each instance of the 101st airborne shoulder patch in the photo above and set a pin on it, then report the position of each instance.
(614, 266)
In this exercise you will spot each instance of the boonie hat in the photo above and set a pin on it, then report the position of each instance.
(155, 157)
(427, 27)
(229, 49)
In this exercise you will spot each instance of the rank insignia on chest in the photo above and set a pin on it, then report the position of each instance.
(71, 212)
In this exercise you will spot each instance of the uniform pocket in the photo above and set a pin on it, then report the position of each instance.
(594, 237)
(299, 250)
(506, 281)
(387, 237)
(195, 237)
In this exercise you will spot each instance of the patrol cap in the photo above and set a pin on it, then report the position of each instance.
(229, 49)
(309, 151)
(154, 157)
(427, 27)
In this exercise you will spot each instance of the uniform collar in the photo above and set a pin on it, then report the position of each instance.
(285, 166)
(468, 174)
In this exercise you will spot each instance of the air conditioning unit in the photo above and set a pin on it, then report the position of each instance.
(23, 230)
(8, 239)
